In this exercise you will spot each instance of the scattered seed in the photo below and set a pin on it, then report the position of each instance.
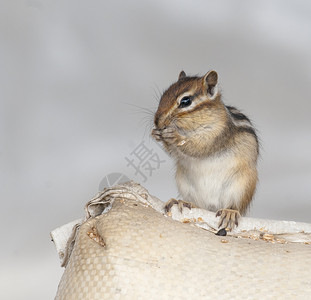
(221, 232)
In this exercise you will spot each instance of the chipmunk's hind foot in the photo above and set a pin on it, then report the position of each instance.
(181, 204)
(228, 218)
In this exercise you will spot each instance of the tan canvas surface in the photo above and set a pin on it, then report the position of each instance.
(135, 252)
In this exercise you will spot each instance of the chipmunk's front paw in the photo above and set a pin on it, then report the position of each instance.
(157, 134)
(228, 218)
(181, 204)
(168, 135)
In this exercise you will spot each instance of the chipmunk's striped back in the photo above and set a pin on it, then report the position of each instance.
(242, 122)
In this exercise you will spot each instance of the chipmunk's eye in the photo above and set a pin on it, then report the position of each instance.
(185, 101)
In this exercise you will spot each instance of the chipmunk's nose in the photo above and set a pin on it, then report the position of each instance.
(160, 122)
(161, 119)
(156, 120)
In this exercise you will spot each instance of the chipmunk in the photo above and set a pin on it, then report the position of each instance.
(215, 147)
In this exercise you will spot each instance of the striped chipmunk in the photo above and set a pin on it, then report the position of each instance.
(215, 148)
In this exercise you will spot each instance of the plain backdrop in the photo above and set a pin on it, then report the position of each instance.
(78, 80)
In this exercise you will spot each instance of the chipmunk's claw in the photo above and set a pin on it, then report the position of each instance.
(181, 204)
(228, 218)
(157, 134)
(168, 135)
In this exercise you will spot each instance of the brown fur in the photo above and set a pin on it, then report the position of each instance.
(207, 128)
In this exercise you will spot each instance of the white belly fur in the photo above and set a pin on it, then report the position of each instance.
(211, 183)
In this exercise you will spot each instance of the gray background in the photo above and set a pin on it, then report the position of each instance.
(75, 77)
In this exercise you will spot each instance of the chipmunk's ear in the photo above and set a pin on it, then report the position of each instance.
(210, 81)
(182, 74)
